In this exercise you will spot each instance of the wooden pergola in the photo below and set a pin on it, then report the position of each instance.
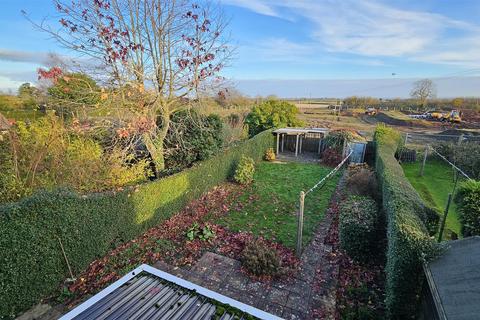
(300, 134)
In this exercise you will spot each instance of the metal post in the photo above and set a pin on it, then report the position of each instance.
(278, 138)
(424, 161)
(296, 147)
(440, 233)
(300, 224)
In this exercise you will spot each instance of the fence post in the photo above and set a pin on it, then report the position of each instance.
(442, 226)
(424, 161)
(300, 224)
(406, 139)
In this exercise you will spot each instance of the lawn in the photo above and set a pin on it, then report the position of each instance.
(434, 187)
(268, 206)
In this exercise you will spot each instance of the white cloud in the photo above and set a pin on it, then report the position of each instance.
(374, 29)
(259, 7)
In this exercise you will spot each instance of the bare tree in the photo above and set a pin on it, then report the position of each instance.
(422, 91)
(154, 56)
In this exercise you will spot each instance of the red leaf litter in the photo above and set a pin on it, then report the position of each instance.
(168, 242)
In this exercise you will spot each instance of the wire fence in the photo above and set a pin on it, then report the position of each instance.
(318, 185)
(438, 176)
(421, 139)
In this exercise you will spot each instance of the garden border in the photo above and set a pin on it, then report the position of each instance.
(33, 265)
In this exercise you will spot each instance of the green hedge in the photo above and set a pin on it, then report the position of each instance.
(31, 261)
(357, 227)
(408, 238)
(468, 199)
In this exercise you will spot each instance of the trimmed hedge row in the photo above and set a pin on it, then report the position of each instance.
(31, 260)
(408, 237)
(357, 227)
(468, 200)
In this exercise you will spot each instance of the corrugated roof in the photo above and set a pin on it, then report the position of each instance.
(148, 293)
(454, 279)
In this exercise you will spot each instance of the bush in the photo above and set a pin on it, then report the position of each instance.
(468, 199)
(89, 225)
(269, 155)
(336, 139)
(272, 114)
(361, 180)
(331, 157)
(260, 259)
(407, 234)
(46, 154)
(245, 170)
(191, 137)
(357, 227)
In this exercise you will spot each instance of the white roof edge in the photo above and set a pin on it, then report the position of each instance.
(301, 130)
(179, 281)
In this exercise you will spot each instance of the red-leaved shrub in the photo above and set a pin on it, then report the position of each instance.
(331, 157)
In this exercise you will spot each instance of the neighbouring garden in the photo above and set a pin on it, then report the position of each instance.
(440, 178)
(434, 186)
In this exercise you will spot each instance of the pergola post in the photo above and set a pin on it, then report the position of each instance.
(278, 141)
(301, 143)
(296, 146)
(320, 145)
(283, 140)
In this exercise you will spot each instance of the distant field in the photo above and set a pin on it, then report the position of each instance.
(312, 105)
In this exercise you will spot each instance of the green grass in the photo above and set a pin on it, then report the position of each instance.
(268, 207)
(434, 187)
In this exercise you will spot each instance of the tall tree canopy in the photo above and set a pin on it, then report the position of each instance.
(422, 91)
(160, 51)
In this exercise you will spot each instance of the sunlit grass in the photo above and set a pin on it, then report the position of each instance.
(268, 207)
(434, 187)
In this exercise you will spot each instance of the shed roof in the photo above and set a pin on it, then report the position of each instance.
(454, 280)
(301, 130)
(149, 293)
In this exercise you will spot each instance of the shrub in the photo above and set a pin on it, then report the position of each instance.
(468, 199)
(331, 157)
(357, 226)
(46, 154)
(245, 170)
(89, 225)
(361, 180)
(336, 139)
(78, 89)
(272, 114)
(191, 137)
(260, 259)
(407, 235)
(269, 155)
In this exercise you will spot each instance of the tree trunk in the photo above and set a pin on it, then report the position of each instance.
(154, 143)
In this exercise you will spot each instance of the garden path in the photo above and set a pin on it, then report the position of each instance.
(309, 294)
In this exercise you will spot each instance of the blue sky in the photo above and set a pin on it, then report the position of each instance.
(362, 41)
